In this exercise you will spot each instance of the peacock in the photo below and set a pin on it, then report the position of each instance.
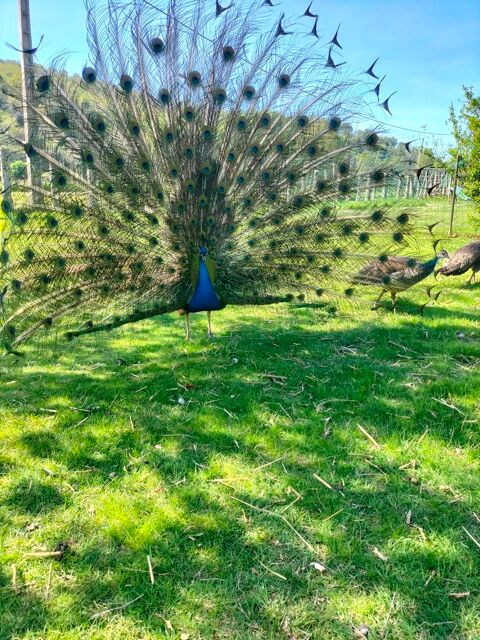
(204, 157)
(394, 274)
(464, 259)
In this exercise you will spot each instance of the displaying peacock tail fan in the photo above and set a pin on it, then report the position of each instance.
(197, 135)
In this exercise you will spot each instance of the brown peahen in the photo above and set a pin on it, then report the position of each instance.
(394, 274)
(464, 259)
(200, 160)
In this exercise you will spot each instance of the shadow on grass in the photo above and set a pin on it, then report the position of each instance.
(262, 392)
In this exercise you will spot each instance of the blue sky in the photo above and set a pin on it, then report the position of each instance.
(428, 48)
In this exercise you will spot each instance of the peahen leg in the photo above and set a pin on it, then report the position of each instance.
(187, 326)
(377, 301)
(394, 301)
(209, 319)
(472, 277)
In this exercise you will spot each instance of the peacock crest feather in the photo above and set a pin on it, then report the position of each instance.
(197, 146)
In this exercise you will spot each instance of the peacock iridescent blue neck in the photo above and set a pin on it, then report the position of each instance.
(431, 264)
(204, 297)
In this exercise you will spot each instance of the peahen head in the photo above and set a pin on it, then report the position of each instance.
(442, 255)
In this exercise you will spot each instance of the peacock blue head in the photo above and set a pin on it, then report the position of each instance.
(203, 251)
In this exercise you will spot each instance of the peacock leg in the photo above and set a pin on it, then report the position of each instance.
(472, 277)
(394, 301)
(187, 326)
(377, 301)
(209, 319)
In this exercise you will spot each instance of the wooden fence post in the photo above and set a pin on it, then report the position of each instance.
(454, 195)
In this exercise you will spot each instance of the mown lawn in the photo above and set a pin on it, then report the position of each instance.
(235, 464)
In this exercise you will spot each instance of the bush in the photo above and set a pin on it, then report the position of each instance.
(466, 129)
(18, 169)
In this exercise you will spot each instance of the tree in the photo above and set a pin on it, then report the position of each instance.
(466, 129)
(18, 169)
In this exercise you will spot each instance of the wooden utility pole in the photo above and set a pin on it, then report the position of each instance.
(28, 79)
(454, 195)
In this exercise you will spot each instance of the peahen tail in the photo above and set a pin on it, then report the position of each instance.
(194, 139)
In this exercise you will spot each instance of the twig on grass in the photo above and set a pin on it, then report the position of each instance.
(150, 570)
(471, 537)
(324, 482)
(279, 575)
(389, 614)
(49, 580)
(267, 464)
(369, 436)
(277, 515)
(119, 608)
(14, 578)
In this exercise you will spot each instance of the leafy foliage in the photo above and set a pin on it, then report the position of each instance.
(18, 169)
(466, 129)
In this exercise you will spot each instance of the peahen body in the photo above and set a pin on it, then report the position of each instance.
(201, 159)
(395, 274)
(464, 259)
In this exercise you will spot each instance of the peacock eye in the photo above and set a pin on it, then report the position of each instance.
(87, 157)
(59, 180)
(157, 46)
(283, 80)
(22, 218)
(164, 96)
(302, 122)
(135, 129)
(249, 92)
(241, 124)
(194, 79)
(265, 120)
(219, 95)
(377, 176)
(61, 121)
(228, 53)
(6, 206)
(363, 237)
(371, 140)
(126, 83)
(334, 123)
(89, 75)
(43, 84)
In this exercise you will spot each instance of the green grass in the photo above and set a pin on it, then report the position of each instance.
(220, 491)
